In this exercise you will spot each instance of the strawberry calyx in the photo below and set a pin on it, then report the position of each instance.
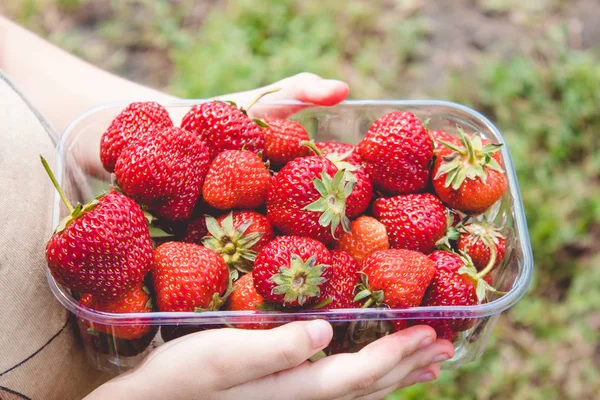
(364, 292)
(300, 281)
(245, 110)
(481, 286)
(469, 161)
(484, 230)
(332, 203)
(218, 300)
(452, 233)
(232, 243)
(336, 158)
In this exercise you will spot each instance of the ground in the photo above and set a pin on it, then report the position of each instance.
(532, 66)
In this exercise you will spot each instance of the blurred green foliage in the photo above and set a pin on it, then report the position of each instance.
(544, 95)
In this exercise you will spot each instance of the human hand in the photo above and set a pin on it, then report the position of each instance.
(272, 364)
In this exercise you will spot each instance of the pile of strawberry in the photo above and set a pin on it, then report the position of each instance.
(226, 212)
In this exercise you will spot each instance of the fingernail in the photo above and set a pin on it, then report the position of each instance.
(441, 357)
(426, 377)
(426, 342)
(319, 332)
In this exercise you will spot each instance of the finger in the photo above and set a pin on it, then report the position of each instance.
(339, 375)
(304, 87)
(426, 374)
(438, 352)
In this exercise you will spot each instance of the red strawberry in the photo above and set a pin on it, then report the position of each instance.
(308, 198)
(136, 300)
(236, 179)
(366, 236)
(188, 277)
(238, 237)
(283, 139)
(344, 279)
(361, 195)
(292, 270)
(469, 177)
(245, 298)
(455, 283)
(478, 239)
(165, 172)
(395, 277)
(224, 126)
(442, 328)
(413, 221)
(397, 152)
(342, 151)
(102, 248)
(135, 122)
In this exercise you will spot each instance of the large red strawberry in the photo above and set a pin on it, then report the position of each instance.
(133, 123)
(236, 179)
(455, 283)
(344, 279)
(397, 152)
(136, 300)
(397, 278)
(283, 138)
(102, 248)
(292, 270)
(189, 277)
(413, 221)
(165, 172)
(244, 297)
(469, 177)
(308, 198)
(225, 126)
(238, 236)
(366, 236)
(481, 241)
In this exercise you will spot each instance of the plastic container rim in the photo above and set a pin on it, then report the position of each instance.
(498, 305)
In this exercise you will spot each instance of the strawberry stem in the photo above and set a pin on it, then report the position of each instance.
(253, 102)
(56, 185)
(310, 144)
(490, 264)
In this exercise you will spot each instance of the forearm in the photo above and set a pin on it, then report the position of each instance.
(58, 84)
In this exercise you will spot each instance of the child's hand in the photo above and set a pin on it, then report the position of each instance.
(271, 364)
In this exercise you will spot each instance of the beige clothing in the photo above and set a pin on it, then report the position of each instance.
(40, 357)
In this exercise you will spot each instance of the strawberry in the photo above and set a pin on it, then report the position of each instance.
(283, 139)
(442, 328)
(481, 240)
(469, 177)
(292, 271)
(236, 179)
(164, 172)
(438, 135)
(397, 151)
(136, 300)
(339, 150)
(366, 236)
(361, 194)
(413, 221)
(308, 198)
(102, 248)
(455, 283)
(225, 126)
(397, 278)
(189, 277)
(245, 298)
(238, 237)
(133, 123)
(344, 279)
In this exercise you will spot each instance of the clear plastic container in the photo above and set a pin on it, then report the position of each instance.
(347, 122)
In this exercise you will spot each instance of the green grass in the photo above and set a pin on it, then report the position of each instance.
(546, 102)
